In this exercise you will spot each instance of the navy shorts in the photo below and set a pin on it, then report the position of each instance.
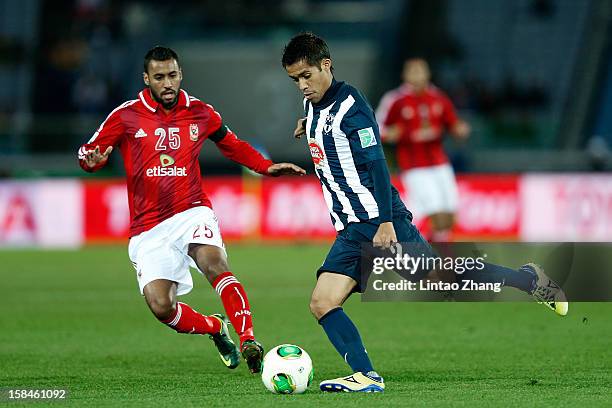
(344, 257)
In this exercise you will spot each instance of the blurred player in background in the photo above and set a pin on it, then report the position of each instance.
(160, 135)
(414, 118)
(345, 146)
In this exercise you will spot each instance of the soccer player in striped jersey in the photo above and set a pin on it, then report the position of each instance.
(345, 146)
(160, 135)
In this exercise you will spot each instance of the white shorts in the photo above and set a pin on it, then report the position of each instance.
(161, 252)
(431, 190)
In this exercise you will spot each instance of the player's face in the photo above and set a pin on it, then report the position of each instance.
(416, 73)
(164, 79)
(313, 81)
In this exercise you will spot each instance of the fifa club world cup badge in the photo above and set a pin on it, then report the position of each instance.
(316, 152)
(194, 132)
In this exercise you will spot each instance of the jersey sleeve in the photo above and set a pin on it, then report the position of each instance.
(394, 116)
(241, 152)
(386, 113)
(449, 114)
(214, 124)
(234, 148)
(108, 134)
(360, 127)
(382, 189)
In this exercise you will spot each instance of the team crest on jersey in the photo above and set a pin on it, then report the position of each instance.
(194, 132)
(329, 121)
(316, 152)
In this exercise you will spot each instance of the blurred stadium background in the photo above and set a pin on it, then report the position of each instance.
(533, 78)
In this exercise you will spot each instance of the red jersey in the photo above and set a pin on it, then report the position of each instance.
(410, 112)
(160, 152)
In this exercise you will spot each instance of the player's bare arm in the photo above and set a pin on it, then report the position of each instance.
(385, 236)
(94, 157)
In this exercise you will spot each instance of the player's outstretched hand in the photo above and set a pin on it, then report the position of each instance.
(285, 169)
(94, 157)
(461, 130)
(391, 135)
(385, 236)
(300, 129)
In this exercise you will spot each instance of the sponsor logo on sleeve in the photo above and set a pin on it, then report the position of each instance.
(366, 137)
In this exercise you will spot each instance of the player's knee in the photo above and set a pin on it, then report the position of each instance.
(450, 221)
(442, 221)
(319, 306)
(162, 307)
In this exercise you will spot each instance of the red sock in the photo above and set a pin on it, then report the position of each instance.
(187, 320)
(236, 304)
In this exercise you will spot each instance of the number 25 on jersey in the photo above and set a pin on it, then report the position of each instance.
(173, 142)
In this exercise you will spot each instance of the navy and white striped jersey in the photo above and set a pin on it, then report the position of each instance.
(343, 138)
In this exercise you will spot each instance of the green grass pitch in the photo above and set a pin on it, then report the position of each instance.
(75, 320)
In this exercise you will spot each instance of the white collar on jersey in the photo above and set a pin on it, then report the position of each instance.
(151, 104)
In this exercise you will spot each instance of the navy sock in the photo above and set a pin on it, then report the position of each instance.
(523, 278)
(346, 339)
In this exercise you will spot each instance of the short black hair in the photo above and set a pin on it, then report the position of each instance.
(159, 53)
(307, 47)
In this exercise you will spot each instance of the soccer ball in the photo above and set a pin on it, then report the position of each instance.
(287, 369)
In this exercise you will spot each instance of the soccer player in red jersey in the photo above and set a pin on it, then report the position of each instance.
(414, 118)
(160, 135)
